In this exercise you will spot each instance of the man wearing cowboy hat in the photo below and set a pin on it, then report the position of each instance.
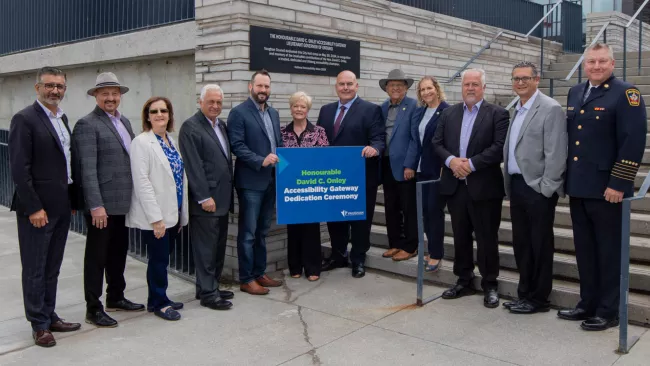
(101, 147)
(399, 163)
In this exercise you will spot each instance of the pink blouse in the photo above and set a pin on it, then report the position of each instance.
(310, 137)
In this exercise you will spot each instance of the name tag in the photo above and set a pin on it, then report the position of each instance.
(570, 108)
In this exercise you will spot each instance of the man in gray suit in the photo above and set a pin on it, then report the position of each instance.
(534, 154)
(206, 153)
(101, 147)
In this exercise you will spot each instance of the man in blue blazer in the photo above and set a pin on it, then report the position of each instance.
(351, 121)
(398, 165)
(254, 133)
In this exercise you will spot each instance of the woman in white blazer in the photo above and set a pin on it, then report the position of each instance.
(159, 200)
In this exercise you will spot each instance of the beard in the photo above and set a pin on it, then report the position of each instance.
(256, 97)
(51, 99)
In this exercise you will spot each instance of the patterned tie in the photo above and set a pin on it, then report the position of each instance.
(337, 123)
(587, 94)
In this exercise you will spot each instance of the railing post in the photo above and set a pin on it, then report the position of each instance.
(420, 281)
(605, 36)
(579, 74)
(624, 53)
(541, 62)
(551, 88)
(625, 277)
(640, 44)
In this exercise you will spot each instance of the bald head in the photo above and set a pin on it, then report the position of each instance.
(346, 86)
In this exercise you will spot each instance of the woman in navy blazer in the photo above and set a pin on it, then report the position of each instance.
(431, 99)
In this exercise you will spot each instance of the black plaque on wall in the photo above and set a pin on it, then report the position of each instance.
(301, 53)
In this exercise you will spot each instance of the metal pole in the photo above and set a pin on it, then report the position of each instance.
(605, 36)
(541, 62)
(640, 44)
(418, 190)
(551, 88)
(625, 277)
(579, 74)
(624, 53)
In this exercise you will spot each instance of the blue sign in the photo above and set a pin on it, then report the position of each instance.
(320, 184)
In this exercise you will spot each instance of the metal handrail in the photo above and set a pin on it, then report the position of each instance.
(636, 14)
(640, 37)
(582, 57)
(544, 17)
(476, 55)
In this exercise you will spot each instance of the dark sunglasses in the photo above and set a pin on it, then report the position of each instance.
(155, 111)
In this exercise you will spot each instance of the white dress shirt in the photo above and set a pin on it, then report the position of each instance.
(62, 132)
(515, 129)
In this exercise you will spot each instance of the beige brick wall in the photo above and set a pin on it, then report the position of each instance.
(595, 22)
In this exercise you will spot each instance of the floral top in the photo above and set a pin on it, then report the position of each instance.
(176, 163)
(310, 137)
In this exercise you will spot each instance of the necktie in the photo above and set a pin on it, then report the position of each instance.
(587, 94)
(337, 123)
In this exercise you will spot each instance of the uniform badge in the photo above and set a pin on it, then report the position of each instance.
(599, 109)
(633, 97)
(570, 108)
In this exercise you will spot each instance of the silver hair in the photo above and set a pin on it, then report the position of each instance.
(597, 46)
(207, 87)
(480, 71)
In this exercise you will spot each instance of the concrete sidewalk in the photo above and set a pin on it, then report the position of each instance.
(336, 321)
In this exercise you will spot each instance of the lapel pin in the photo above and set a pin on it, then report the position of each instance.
(404, 108)
(606, 86)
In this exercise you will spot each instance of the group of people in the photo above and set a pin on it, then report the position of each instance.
(120, 180)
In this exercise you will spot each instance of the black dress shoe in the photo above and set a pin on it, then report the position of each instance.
(174, 305)
(123, 305)
(100, 319)
(598, 323)
(509, 304)
(226, 295)
(573, 314)
(491, 299)
(527, 307)
(217, 304)
(330, 264)
(358, 270)
(458, 291)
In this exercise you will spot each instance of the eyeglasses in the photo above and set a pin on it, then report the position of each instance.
(155, 111)
(51, 86)
(525, 79)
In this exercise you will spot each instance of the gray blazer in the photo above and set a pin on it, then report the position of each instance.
(541, 149)
(208, 167)
(103, 163)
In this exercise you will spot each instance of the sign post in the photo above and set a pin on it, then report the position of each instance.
(320, 184)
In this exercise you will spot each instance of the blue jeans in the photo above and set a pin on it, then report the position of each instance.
(158, 251)
(255, 217)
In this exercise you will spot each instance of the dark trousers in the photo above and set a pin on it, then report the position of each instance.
(41, 254)
(401, 210)
(209, 235)
(597, 240)
(483, 219)
(158, 252)
(359, 230)
(304, 249)
(433, 212)
(255, 218)
(532, 215)
(105, 254)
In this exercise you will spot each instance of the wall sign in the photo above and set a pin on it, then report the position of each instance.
(302, 53)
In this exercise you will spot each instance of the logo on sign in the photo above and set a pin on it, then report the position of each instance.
(345, 213)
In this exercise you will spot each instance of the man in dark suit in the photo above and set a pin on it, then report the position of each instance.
(254, 132)
(39, 154)
(607, 125)
(398, 166)
(351, 121)
(469, 140)
(101, 142)
(208, 164)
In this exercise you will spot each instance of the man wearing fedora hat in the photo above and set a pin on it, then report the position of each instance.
(399, 163)
(101, 146)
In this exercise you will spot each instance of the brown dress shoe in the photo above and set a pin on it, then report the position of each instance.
(253, 288)
(390, 252)
(267, 281)
(61, 326)
(404, 255)
(44, 338)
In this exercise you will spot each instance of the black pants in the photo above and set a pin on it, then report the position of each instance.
(304, 249)
(532, 216)
(359, 230)
(209, 235)
(401, 210)
(597, 240)
(433, 212)
(483, 218)
(105, 254)
(41, 254)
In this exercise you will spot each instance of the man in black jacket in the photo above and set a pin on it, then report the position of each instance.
(469, 139)
(39, 153)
